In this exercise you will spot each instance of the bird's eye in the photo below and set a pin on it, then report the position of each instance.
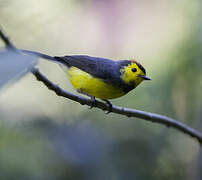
(134, 69)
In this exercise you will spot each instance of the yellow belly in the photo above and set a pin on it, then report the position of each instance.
(85, 83)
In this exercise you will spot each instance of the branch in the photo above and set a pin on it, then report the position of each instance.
(152, 117)
(8, 44)
(169, 122)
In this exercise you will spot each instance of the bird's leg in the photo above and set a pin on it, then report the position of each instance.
(93, 100)
(109, 104)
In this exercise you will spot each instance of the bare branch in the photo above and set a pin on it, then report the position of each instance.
(8, 44)
(152, 117)
(169, 122)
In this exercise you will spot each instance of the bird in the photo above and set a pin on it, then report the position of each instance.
(99, 77)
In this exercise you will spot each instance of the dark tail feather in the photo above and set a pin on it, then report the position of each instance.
(44, 56)
(56, 59)
(62, 60)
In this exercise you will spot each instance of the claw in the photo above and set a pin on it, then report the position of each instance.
(109, 104)
(93, 102)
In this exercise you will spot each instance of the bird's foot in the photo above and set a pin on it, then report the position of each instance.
(93, 102)
(109, 104)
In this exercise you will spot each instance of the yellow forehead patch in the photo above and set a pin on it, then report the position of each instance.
(131, 77)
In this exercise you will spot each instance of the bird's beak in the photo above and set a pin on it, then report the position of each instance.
(144, 77)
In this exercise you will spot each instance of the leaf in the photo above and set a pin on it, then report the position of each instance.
(14, 65)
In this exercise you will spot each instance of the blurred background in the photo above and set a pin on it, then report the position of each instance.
(43, 136)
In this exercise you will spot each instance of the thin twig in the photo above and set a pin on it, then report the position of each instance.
(169, 122)
(6, 40)
(152, 117)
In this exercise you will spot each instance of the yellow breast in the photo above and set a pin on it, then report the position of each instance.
(88, 84)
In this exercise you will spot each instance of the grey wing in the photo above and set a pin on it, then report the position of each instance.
(102, 68)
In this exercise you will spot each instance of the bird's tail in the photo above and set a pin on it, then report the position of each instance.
(44, 56)
(59, 60)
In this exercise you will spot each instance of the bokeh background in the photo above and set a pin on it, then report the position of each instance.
(43, 136)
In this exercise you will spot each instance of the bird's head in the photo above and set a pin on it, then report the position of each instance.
(132, 72)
